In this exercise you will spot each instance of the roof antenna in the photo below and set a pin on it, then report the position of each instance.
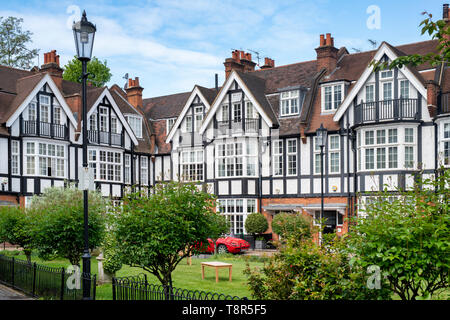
(356, 50)
(257, 55)
(373, 43)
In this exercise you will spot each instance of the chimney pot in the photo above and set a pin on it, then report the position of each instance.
(445, 11)
(328, 41)
(322, 40)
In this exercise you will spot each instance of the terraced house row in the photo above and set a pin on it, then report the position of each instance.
(251, 141)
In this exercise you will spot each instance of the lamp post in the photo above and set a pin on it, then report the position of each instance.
(321, 134)
(84, 33)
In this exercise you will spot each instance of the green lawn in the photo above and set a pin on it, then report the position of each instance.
(184, 277)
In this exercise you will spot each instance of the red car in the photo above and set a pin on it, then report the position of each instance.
(228, 244)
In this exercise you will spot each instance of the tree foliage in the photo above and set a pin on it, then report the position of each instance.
(438, 30)
(408, 237)
(15, 228)
(310, 272)
(59, 226)
(13, 44)
(156, 232)
(256, 223)
(99, 72)
(292, 225)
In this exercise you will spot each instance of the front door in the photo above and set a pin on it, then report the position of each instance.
(329, 221)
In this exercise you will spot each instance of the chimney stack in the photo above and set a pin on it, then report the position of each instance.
(240, 60)
(445, 12)
(134, 93)
(326, 53)
(51, 66)
(268, 63)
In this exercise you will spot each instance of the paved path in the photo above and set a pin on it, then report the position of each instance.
(10, 294)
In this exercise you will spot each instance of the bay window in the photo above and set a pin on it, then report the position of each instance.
(45, 159)
(107, 165)
(192, 165)
(386, 149)
(236, 159)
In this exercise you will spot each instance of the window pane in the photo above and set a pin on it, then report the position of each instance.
(393, 157)
(370, 159)
(392, 135)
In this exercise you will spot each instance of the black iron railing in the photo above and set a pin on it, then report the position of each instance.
(45, 129)
(44, 282)
(384, 110)
(104, 137)
(138, 288)
(251, 126)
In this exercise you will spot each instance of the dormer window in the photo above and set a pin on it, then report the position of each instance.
(135, 123)
(170, 123)
(289, 103)
(331, 97)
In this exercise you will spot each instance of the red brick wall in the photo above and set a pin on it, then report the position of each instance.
(304, 201)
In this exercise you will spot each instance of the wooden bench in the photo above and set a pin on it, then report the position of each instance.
(217, 265)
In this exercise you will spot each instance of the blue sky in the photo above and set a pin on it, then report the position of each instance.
(173, 45)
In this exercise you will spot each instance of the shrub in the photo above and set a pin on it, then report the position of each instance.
(292, 225)
(256, 223)
(310, 272)
(59, 223)
(15, 228)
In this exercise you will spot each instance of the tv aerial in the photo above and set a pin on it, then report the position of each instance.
(126, 78)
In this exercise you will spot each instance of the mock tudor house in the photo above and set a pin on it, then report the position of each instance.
(251, 141)
(40, 134)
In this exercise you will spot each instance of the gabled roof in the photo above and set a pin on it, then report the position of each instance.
(254, 89)
(392, 53)
(25, 95)
(197, 91)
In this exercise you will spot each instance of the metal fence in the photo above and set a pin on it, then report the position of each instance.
(138, 288)
(44, 282)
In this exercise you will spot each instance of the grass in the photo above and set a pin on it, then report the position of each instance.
(185, 276)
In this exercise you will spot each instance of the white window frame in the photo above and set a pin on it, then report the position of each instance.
(289, 103)
(127, 166)
(334, 151)
(277, 158)
(389, 149)
(334, 103)
(44, 108)
(292, 161)
(191, 164)
(15, 156)
(170, 123)
(135, 123)
(107, 164)
(233, 155)
(39, 153)
(236, 212)
(144, 171)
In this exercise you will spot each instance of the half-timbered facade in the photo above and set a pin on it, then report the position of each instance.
(41, 134)
(251, 141)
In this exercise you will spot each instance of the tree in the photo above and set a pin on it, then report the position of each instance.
(59, 227)
(13, 41)
(99, 73)
(15, 228)
(407, 237)
(289, 225)
(256, 223)
(156, 232)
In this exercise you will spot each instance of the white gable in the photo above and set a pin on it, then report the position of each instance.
(47, 79)
(194, 93)
(218, 101)
(383, 50)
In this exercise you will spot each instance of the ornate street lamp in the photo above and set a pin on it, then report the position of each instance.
(321, 136)
(84, 33)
